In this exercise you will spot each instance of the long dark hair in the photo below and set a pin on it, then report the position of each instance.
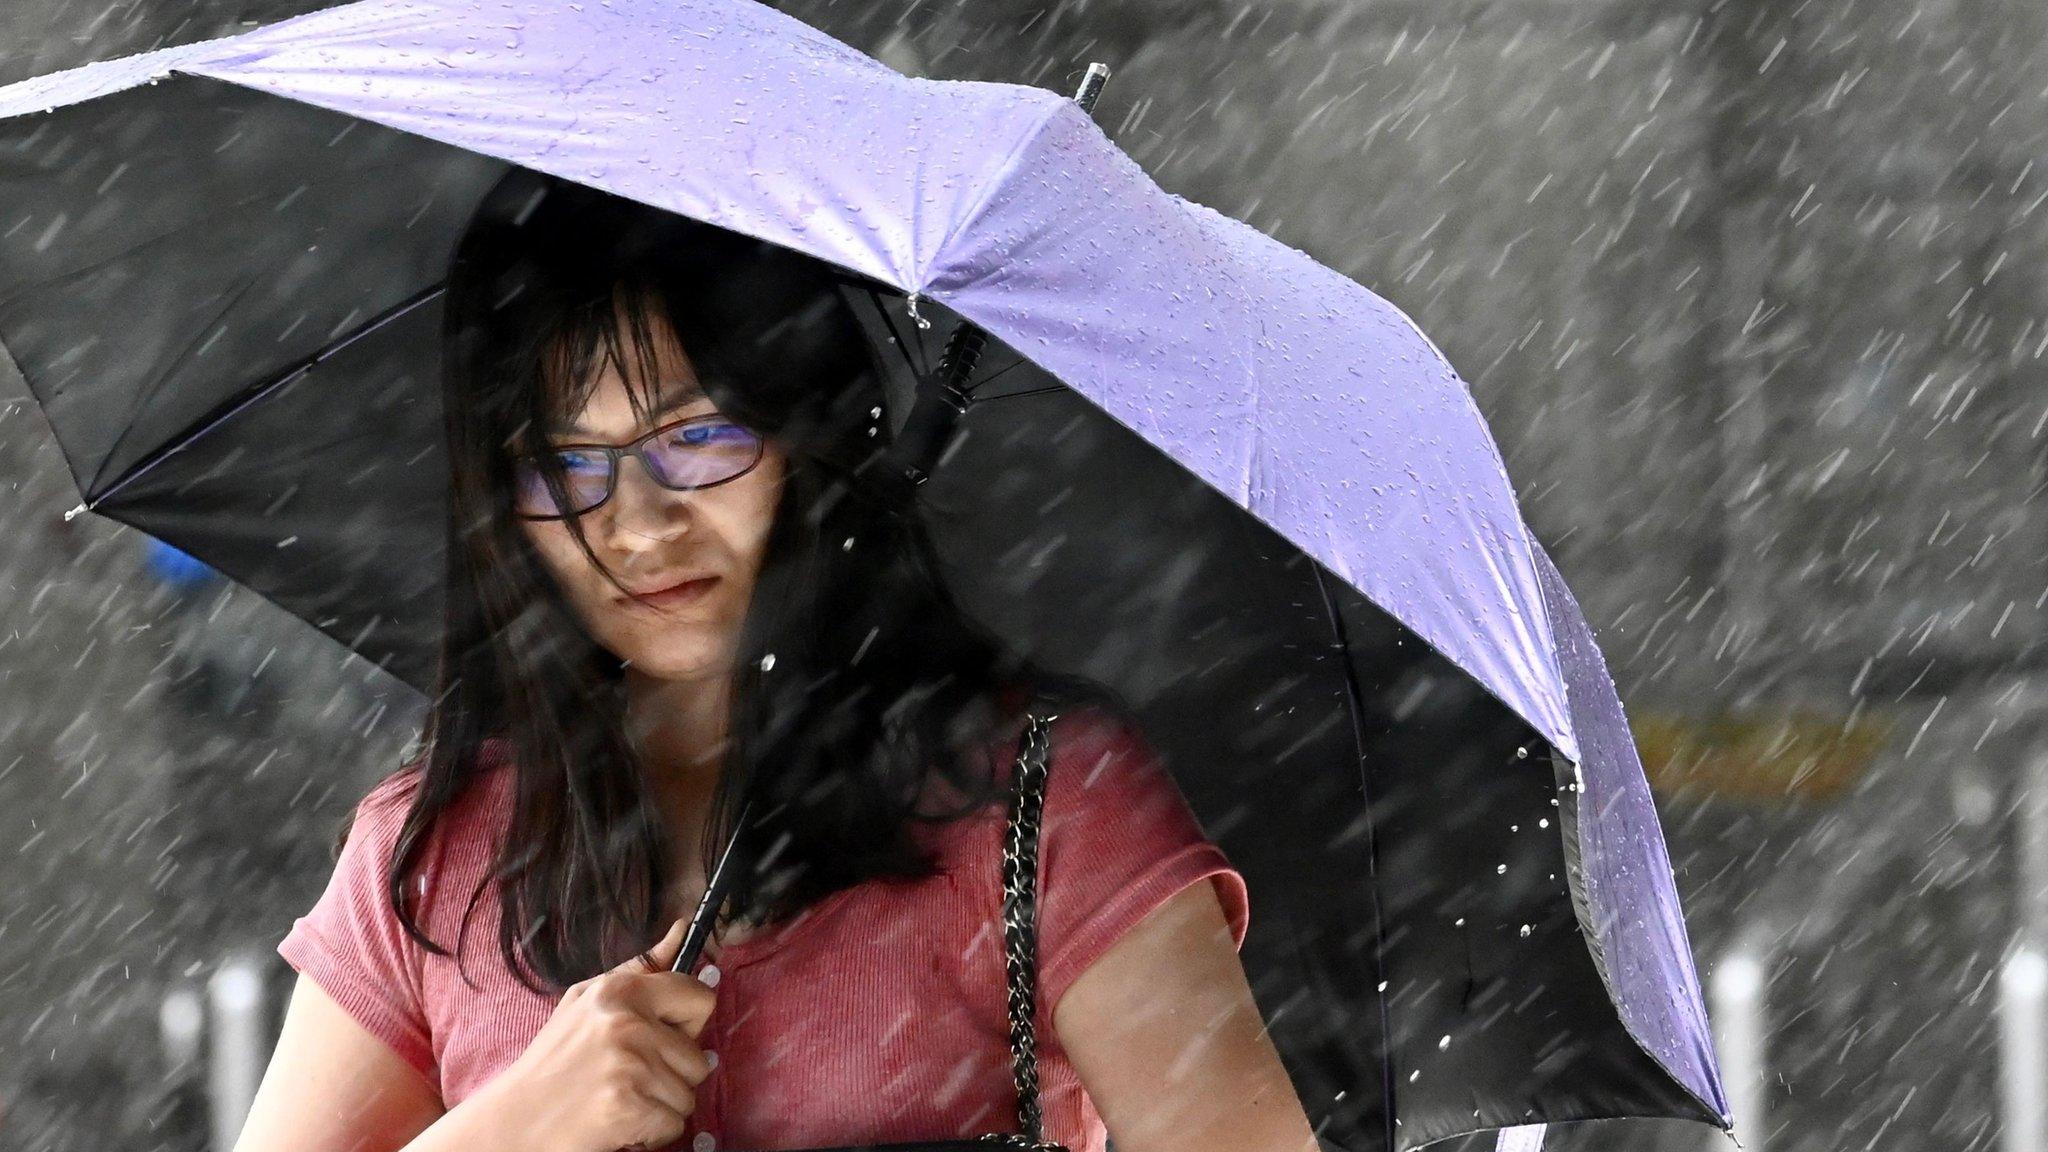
(879, 684)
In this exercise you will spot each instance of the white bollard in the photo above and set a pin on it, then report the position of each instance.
(181, 1022)
(241, 1044)
(2023, 1051)
(1736, 993)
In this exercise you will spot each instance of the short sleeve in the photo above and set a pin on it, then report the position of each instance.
(1116, 840)
(351, 944)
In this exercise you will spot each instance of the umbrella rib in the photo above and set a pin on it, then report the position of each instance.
(172, 233)
(979, 399)
(135, 249)
(229, 408)
(89, 266)
(974, 392)
(148, 393)
(911, 348)
(1379, 935)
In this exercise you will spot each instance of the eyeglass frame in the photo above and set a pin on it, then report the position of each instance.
(637, 447)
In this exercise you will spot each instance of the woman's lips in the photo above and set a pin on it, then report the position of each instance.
(684, 593)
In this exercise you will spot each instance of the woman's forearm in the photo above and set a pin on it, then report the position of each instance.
(474, 1126)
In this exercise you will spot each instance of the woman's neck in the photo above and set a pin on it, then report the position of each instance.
(680, 729)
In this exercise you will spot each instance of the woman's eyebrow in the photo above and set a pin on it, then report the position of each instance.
(676, 397)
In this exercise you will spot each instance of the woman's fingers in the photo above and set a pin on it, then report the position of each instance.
(643, 985)
(677, 999)
(670, 1093)
(679, 1056)
(618, 1060)
(661, 955)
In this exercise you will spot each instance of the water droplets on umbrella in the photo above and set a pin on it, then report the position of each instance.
(911, 302)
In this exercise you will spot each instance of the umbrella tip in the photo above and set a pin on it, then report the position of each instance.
(1091, 86)
(74, 512)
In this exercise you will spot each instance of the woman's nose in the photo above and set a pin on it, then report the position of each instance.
(642, 511)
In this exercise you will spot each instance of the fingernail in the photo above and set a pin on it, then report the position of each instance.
(711, 1058)
(709, 976)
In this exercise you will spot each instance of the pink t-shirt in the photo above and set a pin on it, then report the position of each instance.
(876, 1015)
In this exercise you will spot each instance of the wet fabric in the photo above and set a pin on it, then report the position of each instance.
(875, 1015)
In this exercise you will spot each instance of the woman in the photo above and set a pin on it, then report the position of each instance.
(673, 581)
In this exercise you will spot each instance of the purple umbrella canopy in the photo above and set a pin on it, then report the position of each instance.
(307, 180)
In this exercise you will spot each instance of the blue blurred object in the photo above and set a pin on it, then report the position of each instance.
(176, 568)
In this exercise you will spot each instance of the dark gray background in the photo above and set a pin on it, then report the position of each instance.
(1750, 292)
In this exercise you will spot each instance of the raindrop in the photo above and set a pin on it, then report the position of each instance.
(1443, 1044)
(1500, 869)
(1525, 931)
(767, 662)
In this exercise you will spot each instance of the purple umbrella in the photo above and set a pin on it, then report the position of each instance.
(258, 317)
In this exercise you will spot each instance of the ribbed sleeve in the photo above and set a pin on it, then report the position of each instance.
(1116, 840)
(351, 944)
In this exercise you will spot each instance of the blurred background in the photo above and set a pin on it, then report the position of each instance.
(1752, 294)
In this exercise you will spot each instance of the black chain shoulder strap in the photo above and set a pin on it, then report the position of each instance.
(1020, 930)
(1020, 945)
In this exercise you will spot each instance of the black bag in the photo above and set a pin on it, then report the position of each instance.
(1020, 937)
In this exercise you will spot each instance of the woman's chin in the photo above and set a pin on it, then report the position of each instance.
(680, 667)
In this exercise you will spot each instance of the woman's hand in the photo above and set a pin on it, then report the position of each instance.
(616, 1065)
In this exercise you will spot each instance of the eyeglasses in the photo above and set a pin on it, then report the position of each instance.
(697, 452)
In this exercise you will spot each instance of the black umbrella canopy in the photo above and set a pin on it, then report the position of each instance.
(269, 317)
(269, 402)
(1414, 945)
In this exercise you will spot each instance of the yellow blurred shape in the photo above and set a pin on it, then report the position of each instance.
(1798, 754)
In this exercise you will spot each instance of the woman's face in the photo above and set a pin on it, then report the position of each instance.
(654, 538)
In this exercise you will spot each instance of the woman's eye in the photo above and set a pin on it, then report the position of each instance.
(704, 433)
(580, 463)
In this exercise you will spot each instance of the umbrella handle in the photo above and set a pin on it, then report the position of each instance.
(699, 931)
(944, 395)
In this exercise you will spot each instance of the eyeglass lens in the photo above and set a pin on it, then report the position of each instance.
(689, 455)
